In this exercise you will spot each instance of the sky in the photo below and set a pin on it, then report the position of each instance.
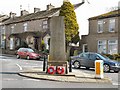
(83, 13)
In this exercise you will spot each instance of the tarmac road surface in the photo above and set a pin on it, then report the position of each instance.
(10, 78)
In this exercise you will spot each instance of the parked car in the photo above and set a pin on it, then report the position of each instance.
(27, 53)
(87, 60)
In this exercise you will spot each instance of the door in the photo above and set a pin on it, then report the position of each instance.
(84, 58)
(92, 59)
(23, 53)
(36, 43)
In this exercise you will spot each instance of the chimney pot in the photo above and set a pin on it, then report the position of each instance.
(49, 7)
(36, 10)
(12, 15)
(24, 12)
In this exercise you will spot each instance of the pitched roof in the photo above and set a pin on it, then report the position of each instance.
(32, 16)
(35, 16)
(2, 17)
(114, 13)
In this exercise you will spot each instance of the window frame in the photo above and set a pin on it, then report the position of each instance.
(3, 37)
(102, 44)
(100, 26)
(111, 44)
(45, 24)
(25, 27)
(112, 25)
(12, 29)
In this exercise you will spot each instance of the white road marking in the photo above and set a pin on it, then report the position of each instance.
(31, 80)
(115, 83)
(30, 66)
(9, 79)
(19, 66)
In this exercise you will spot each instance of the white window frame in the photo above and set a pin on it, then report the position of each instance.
(111, 44)
(100, 26)
(84, 47)
(11, 43)
(102, 44)
(112, 25)
(45, 24)
(3, 30)
(12, 29)
(3, 37)
(25, 27)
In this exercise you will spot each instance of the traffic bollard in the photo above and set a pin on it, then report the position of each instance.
(99, 69)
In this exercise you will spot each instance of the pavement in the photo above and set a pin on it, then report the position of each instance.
(77, 77)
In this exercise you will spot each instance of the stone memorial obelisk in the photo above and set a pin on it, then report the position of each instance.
(57, 55)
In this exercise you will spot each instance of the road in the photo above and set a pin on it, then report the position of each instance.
(12, 66)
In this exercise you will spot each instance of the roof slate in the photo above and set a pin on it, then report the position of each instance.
(2, 17)
(32, 16)
(35, 16)
(114, 13)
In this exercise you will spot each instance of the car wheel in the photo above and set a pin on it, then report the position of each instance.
(87, 68)
(116, 71)
(106, 68)
(28, 57)
(18, 56)
(76, 64)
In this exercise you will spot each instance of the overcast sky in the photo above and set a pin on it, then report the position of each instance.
(96, 7)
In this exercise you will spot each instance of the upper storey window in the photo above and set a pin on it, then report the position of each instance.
(25, 27)
(100, 26)
(45, 24)
(111, 25)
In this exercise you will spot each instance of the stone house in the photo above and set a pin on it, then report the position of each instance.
(29, 29)
(104, 34)
(2, 33)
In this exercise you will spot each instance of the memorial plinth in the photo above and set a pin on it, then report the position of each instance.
(57, 56)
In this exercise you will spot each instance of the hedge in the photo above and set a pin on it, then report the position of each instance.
(114, 56)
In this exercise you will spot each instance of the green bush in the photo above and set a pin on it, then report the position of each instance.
(109, 56)
(75, 52)
(114, 56)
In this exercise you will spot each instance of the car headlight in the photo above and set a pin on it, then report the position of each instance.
(116, 64)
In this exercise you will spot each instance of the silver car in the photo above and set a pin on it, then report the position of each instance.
(87, 60)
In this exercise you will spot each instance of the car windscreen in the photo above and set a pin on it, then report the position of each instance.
(103, 57)
(30, 50)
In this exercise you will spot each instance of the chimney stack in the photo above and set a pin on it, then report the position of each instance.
(36, 10)
(24, 12)
(12, 15)
(49, 7)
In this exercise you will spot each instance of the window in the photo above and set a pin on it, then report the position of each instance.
(25, 27)
(3, 37)
(11, 43)
(111, 25)
(17, 41)
(3, 30)
(30, 40)
(102, 46)
(12, 29)
(84, 55)
(92, 57)
(100, 26)
(112, 46)
(45, 24)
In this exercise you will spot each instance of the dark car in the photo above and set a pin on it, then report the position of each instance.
(87, 60)
(27, 53)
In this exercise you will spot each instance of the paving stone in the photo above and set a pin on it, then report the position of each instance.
(71, 77)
